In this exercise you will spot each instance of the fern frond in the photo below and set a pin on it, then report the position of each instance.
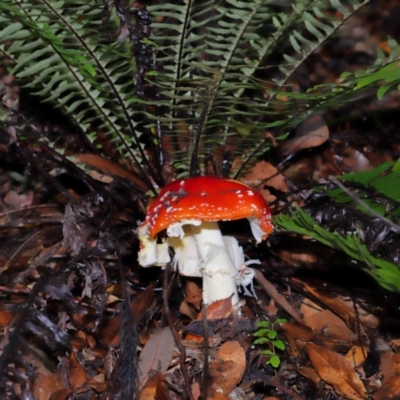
(212, 63)
(56, 49)
(384, 272)
(206, 79)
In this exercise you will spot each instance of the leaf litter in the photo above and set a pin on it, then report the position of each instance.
(62, 336)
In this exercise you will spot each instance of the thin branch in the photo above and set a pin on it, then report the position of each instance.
(175, 334)
(205, 353)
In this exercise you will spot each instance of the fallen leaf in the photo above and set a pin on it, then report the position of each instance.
(109, 167)
(310, 133)
(337, 371)
(309, 373)
(97, 383)
(264, 173)
(227, 370)
(396, 363)
(330, 324)
(297, 331)
(218, 309)
(390, 390)
(77, 372)
(5, 318)
(186, 309)
(155, 388)
(62, 394)
(138, 306)
(193, 294)
(157, 354)
(344, 308)
(356, 356)
(46, 383)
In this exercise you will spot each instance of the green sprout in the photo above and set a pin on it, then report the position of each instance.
(267, 335)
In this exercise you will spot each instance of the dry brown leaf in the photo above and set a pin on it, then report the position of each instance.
(396, 363)
(264, 173)
(155, 389)
(330, 324)
(46, 383)
(352, 160)
(97, 383)
(343, 307)
(356, 356)
(17, 201)
(310, 133)
(309, 373)
(77, 372)
(217, 396)
(62, 394)
(194, 294)
(227, 371)
(297, 331)
(157, 354)
(5, 318)
(271, 308)
(196, 393)
(219, 309)
(308, 308)
(138, 306)
(297, 256)
(390, 390)
(108, 167)
(337, 371)
(188, 310)
(396, 342)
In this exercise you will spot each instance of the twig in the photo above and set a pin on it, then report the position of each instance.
(2, 269)
(359, 201)
(27, 208)
(205, 353)
(271, 291)
(12, 290)
(177, 339)
(38, 262)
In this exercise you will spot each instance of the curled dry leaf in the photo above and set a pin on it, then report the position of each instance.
(227, 370)
(310, 133)
(337, 371)
(264, 173)
(193, 294)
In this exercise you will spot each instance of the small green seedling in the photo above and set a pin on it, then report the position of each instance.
(267, 335)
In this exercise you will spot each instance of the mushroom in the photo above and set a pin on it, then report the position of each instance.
(189, 209)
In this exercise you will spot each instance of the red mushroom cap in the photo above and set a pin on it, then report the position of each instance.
(207, 198)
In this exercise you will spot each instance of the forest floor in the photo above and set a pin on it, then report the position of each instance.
(330, 332)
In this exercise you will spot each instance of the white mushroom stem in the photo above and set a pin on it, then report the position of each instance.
(201, 251)
(218, 269)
